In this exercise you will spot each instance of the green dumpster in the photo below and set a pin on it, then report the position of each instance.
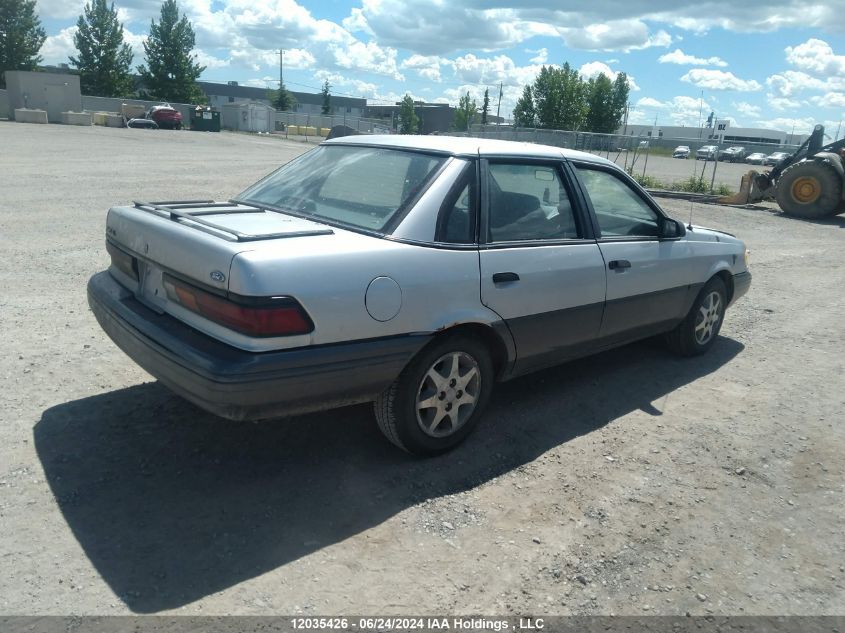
(205, 120)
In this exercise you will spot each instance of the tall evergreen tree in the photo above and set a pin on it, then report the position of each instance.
(21, 37)
(409, 122)
(327, 97)
(282, 99)
(485, 106)
(104, 59)
(171, 71)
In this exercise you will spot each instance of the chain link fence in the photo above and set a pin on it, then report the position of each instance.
(314, 127)
(649, 159)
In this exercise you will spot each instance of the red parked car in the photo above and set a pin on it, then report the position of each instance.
(166, 116)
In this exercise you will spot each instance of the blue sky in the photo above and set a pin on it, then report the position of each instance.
(779, 63)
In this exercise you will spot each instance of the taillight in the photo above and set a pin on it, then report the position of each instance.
(123, 261)
(275, 316)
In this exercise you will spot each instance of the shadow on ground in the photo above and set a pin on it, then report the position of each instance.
(172, 504)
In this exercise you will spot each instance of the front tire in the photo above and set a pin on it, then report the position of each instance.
(438, 398)
(810, 189)
(699, 329)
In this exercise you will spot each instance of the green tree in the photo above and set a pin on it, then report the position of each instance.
(327, 97)
(485, 106)
(599, 105)
(171, 71)
(619, 100)
(606, 103)
(523, 113)
(21, 37)
(104, 59)
(559, 98)
(282, 99)
(467, 109)
(409, 122)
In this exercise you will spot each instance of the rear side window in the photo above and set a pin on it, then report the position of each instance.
(456, 224)
(358, 186)
(620, 211)
(528, 202)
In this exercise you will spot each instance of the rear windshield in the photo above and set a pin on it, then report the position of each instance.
(357, 186)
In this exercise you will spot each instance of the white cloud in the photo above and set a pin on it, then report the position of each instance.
(743, 107)
(782, 103)
(679, 57)
(593, 69)
(830, 100)
(541, 57)
(792, 82)
(209, 61)
(720, 80)
(680, 110)
(57, 48)
(817, 58)
(426, 66)
(803, 125)
(615, 35)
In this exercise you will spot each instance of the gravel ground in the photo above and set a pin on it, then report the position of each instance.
(632, 482)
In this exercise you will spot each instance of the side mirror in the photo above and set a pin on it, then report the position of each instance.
(671, 229)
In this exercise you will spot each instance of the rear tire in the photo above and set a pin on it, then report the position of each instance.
(699, 329)
(809, 189)
(438, 398)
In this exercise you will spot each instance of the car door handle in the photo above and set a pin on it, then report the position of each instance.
(499, 278)
(616, 264)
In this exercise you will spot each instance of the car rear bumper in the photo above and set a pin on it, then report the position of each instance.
(237, 384)
(742, 282)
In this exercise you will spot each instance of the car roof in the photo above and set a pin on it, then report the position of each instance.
(466, 146)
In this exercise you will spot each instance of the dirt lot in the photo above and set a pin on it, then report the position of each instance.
(629, 483)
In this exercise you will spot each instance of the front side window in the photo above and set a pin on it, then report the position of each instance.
(528, 202)
(620, 211)
(363, 187)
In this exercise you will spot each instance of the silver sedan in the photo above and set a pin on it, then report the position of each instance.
(411, 272)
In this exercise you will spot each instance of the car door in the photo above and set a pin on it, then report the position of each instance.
(541, 269)
(648, 278)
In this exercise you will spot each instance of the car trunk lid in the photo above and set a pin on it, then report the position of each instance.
(193, 240)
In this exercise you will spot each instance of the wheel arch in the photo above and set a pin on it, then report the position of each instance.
(495, 337)
(728, 279)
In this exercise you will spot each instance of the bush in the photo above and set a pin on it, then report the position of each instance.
(649, 182)
(691, 185)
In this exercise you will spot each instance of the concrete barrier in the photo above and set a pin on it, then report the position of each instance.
(99, 118)
(76, 118)
(24, 115)
(114, 120)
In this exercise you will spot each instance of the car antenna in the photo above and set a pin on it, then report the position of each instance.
(689, 225)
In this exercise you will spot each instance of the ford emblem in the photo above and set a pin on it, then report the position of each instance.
(216, 275)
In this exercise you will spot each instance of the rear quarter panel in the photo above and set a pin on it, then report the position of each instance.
(330, 275)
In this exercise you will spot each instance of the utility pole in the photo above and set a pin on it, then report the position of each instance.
(281, 68)
(700, 104)
(498, 107)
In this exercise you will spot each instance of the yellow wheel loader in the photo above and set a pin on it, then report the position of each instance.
(809, 184)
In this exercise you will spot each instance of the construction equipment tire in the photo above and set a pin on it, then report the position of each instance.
(810, 189)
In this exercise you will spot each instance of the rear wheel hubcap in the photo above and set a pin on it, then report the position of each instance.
(448, 394)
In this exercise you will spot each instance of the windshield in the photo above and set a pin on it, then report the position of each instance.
(359, 186)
